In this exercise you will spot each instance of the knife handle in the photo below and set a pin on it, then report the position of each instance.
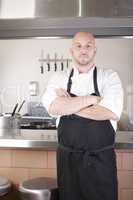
(48, 67)
(62, 66)
(41, 67)
(55, 65)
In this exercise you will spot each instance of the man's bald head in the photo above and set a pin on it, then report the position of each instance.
(86, 35)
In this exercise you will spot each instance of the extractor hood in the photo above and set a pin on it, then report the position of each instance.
(62, 18)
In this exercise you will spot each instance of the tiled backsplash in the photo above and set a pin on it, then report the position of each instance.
(20, 165)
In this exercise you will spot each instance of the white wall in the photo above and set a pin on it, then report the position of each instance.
(19, 65)
(118, 55)
(17, 8)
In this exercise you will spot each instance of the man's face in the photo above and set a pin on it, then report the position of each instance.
(83, 49)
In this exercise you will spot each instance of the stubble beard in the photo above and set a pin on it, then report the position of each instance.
(84, 65)
(83, 62)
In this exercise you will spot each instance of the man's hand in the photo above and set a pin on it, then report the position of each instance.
(62, 93)
(97, 112)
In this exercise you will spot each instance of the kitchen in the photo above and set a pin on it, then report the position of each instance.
(25, 50)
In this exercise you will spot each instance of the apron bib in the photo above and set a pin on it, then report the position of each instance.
(86, 161)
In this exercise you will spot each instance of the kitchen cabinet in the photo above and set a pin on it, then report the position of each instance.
(19, 165)
(33, 154)
(125, 174)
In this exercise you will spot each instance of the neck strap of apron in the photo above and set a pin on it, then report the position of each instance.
(69, 84)
(97, 93)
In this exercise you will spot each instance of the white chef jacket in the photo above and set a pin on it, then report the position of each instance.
(109, 86)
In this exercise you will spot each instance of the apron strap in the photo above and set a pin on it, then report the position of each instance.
(69, 84)
(87, 154)
(95, 151)
(97, 93)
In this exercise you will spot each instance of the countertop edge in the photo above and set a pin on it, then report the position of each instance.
(35, 140)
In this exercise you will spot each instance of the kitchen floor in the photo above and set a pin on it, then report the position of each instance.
(12, 195)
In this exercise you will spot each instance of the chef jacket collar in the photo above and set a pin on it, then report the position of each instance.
(77, 74)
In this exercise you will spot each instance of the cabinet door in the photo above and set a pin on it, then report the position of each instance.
(126, 194)
(125, 179)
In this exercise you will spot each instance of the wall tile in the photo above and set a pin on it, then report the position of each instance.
(119, 194)
(51, 159)
(5, 158)
(29, 159)
(125, 179)
(128, 161)
(42, 173)
(119, 157)
(16, 175)
(126, 194)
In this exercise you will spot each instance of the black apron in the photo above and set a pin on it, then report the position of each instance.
(86, 160)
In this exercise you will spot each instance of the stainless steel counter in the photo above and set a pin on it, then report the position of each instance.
(47, 139)
(38, 139)
(124, 140)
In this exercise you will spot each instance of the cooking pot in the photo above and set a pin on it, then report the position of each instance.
(9, 125)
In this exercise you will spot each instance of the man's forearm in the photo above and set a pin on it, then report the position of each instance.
(97, 112)
(70, 105)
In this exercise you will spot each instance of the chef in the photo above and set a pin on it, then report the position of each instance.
(87, 101)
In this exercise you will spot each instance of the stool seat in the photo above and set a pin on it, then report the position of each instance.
(5, 185)
(41, 188)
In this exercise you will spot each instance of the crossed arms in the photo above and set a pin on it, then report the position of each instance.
(66, 105)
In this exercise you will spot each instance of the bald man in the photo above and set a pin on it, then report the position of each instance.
(87, 101)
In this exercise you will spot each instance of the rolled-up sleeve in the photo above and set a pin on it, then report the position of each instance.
(50, 93)
(112, 93)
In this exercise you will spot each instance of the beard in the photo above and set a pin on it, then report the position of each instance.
(83, 60)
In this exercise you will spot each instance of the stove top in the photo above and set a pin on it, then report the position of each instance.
(39, 127)
(38, 123)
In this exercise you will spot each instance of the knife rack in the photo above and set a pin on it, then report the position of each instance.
(53, 64)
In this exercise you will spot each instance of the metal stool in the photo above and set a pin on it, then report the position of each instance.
(5, 186)
(39, 189)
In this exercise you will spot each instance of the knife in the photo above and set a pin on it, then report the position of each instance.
(62, 65)
(48, 62)
(55, 64)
